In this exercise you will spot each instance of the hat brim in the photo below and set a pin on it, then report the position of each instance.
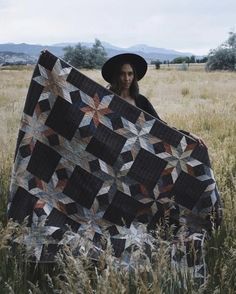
(138, 62)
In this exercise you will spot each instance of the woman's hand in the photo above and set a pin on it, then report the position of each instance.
(199, 140)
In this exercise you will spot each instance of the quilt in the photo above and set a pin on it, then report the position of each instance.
(89, 163)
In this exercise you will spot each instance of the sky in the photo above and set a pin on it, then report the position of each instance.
(194, 26)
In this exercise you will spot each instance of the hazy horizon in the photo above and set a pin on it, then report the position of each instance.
(103, 41)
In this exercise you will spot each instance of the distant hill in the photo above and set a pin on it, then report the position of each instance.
(9, 52)
(30, 49)
(148, 52)
(8, 58)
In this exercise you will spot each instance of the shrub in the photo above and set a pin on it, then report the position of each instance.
(83, 57)
(223, 57)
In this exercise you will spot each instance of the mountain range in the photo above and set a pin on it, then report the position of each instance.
(24, 53)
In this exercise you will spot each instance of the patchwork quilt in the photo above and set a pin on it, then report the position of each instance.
(89, 163)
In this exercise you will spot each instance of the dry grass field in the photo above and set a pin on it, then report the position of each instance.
(201, 102)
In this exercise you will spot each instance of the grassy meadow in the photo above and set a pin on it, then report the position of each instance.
(203, 103)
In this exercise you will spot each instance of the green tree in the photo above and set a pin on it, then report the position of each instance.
(202, 60)
(192, 59)
(181, 59)
(224, 56)
(83, 57)
(76, 56)
(97, 55)
(157, 63)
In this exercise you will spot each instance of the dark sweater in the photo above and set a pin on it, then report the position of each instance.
(143, 103)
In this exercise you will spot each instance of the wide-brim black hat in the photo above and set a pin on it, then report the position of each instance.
(138, 62)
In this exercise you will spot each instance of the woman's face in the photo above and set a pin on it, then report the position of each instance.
(126, 76)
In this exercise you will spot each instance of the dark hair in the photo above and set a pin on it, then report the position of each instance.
(115, 86)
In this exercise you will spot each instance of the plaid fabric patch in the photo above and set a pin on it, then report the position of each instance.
(90, 163)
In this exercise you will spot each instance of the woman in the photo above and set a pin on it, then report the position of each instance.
(123, 72)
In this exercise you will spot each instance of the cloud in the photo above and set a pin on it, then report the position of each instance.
(193, 25)
(4, 4)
